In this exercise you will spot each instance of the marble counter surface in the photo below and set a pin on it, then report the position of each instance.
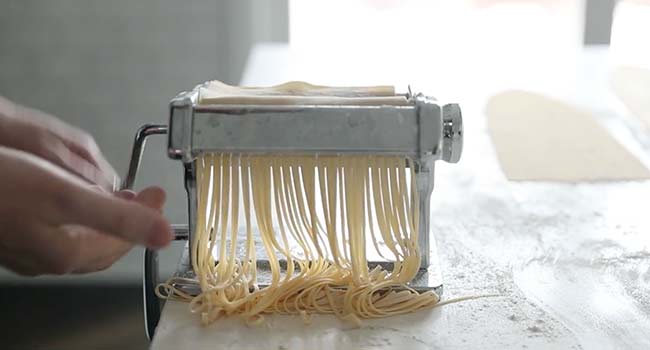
(569, 265)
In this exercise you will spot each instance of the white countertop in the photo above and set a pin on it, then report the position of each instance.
(569, 262)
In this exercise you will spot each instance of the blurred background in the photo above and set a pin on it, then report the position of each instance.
(111, 66)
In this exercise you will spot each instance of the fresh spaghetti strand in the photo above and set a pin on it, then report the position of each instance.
(308, 221)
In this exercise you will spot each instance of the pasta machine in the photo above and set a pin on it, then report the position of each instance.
(423, 129)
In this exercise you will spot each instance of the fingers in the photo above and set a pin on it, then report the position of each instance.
(80, 249)
(27, 136)
(125, 194)
(20, 264)
(129, 220)
(152, 197)
(85, 147)
(66, 249)
(58, 153)
(36, 132)
(111, 248)
(40, 198)
(96, 251)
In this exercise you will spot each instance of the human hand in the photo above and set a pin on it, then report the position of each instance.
(47, 137)
(52, 222)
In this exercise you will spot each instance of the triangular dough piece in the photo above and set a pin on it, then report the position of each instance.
(542, 139)
(632, 86)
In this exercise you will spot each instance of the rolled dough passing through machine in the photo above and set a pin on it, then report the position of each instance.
(422, 129)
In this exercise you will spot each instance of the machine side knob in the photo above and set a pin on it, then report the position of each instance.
(452, 133)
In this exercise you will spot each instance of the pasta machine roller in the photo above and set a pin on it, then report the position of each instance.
(423, 129)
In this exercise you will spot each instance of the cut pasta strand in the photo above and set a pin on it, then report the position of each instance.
(319, 220)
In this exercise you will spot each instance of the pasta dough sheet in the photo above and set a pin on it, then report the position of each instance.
(541, 139)
(632, 86)
(299, 93)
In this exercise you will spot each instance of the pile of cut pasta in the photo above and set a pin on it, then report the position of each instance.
(317, 220)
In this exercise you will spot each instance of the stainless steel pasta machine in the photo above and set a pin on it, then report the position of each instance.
(423, 130)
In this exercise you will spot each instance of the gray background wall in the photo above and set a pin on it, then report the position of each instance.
(110, 66)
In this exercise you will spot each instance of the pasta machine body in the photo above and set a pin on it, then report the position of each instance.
(423, 130)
